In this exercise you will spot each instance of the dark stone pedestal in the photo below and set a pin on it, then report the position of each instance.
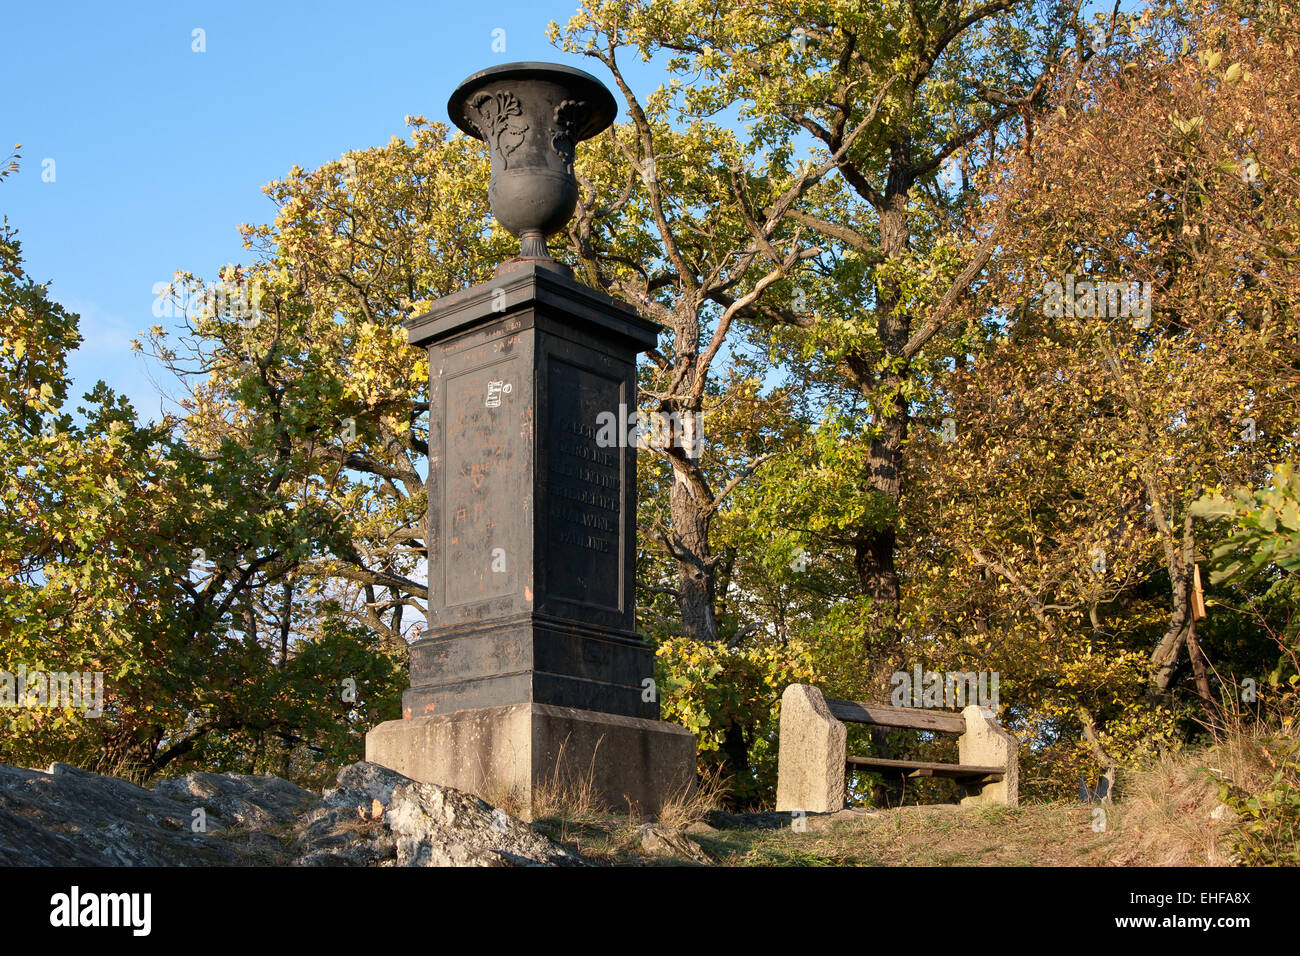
(532, 525)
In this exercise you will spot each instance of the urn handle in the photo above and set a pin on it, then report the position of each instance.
(568, 117)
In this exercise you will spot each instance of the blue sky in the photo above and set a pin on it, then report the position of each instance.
(160, 152)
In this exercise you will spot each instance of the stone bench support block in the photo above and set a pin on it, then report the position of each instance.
(986, 743)
(811, 754)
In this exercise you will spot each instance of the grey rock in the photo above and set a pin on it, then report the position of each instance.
(66, 816)
(421, 825)
(700, 828)
(375, 817)
(239, 799)
(767, 820)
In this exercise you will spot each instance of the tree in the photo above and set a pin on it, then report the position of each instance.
(321, 357)
(679, 219)
(891, 95)
(127, 553)
(1057, 522)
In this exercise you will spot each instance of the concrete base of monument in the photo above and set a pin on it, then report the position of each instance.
(518, 750)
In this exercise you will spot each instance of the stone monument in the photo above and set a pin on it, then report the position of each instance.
(530, 671)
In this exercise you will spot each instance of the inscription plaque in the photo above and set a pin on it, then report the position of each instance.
(482, 476)
(586, 489)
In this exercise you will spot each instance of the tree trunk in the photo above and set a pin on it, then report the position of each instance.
(735, 752)
(695, 563)
(874, 554)
(250, 621)
(1178, 558)
(286, 623)
(1202, 679)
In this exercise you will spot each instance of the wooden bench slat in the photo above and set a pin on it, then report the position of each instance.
(882, 715)
(921, 768)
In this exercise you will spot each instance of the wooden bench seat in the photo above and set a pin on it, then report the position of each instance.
(813, 761)
(882, 715)
(920, 768)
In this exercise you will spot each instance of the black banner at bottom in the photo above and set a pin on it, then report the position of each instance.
(636, 904)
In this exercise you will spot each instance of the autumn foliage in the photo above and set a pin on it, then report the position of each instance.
(989, 317)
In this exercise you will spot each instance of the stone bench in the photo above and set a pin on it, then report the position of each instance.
(812, 759)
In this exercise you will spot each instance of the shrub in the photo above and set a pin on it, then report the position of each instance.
(1267, 800)
(730, 699)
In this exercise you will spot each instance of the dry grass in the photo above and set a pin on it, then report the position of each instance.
(512, 801)
(568, 808)
(1167, 814)
(565, 799)
(1172, 814)
(693, 804)
(121, 768)
(938, 835)
(568, 795)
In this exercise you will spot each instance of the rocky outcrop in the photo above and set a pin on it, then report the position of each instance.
(378, 816)
(375, 817)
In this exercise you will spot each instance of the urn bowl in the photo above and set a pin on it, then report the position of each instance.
(531, 116)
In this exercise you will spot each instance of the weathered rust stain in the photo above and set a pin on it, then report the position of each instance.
(526, 424)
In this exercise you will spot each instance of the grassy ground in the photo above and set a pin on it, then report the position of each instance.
(923, 836)
(1169, 814)
(945, 835)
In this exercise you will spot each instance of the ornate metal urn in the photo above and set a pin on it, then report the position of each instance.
(532, 115)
